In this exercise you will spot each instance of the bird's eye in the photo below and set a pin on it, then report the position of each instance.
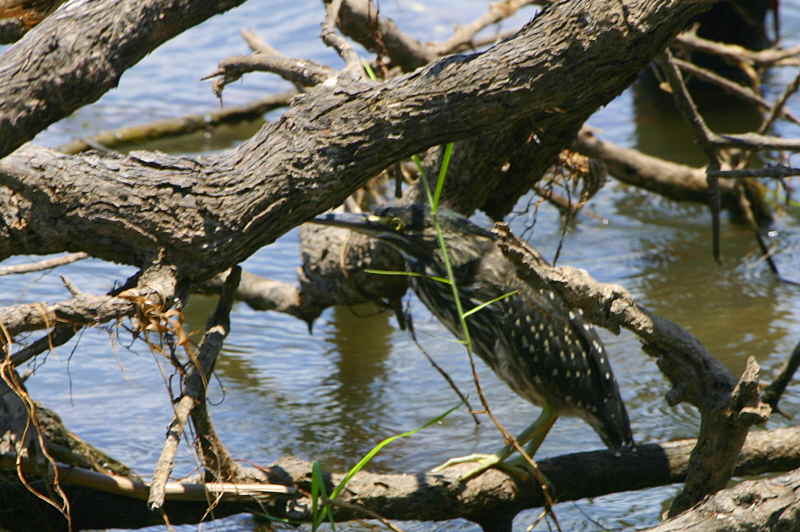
(397, 224)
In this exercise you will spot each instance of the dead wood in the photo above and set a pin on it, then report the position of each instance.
(69, 73)
(752, 506)
(423, 496)
(184, 125)
(126, 209)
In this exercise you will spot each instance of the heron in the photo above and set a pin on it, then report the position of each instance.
(545, 351)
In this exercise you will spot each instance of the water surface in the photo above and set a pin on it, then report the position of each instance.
(332, 395)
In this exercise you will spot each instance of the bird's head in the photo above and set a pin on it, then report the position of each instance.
(411, 229)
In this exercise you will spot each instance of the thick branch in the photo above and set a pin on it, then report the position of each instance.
(229, 206)
(81, 52)
(154, 289)
(574, 476)
(672, 180)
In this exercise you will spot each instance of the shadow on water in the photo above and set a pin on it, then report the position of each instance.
(356, 390)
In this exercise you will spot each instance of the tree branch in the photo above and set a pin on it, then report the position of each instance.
(214, 456)
(68, 74)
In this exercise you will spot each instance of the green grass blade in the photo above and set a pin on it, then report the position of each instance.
(437, 194)
(476, 308)
(408, 274)
(375, 450)
(369, 71)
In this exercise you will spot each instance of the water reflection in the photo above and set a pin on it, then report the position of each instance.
(356, 389)
(661, 130)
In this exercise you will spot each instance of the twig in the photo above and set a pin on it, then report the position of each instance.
(443, 373)
(754, 141)
(61, 334)
(43, 264)
(688, 109)
(193, 402)
(463, 35)
(175, 491)
(257, 44)
(734, 88)
(736, 54)
(179, 126)
(303, 72)
(70, 286)
(332, 38)
(772, 393)
(777, 109)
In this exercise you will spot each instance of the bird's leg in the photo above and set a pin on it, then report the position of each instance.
(533, 436)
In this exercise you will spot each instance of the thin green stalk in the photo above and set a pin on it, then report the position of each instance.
(369, 71)
(408, 274)
(318, 486)
(476, 308)
(437, 195)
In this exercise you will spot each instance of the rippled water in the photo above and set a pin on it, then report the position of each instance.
(334, 394)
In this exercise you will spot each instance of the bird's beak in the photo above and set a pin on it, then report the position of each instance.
(368, 224)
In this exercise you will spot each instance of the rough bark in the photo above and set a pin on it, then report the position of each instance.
(81, 51)
(210, 213)
(753, 506)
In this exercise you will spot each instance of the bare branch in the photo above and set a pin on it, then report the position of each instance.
(192, 402)
(303, 72)
(43, 264)
(338, 43)
(732, 88)
(463, 35)
(183, 125)
(772, 393)
(754, 141)
(672, 180)
(735, 54)
(686, 106)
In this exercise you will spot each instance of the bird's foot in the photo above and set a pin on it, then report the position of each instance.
(484, 461)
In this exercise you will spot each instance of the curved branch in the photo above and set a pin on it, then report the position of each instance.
(209, 213)
(81, 51)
